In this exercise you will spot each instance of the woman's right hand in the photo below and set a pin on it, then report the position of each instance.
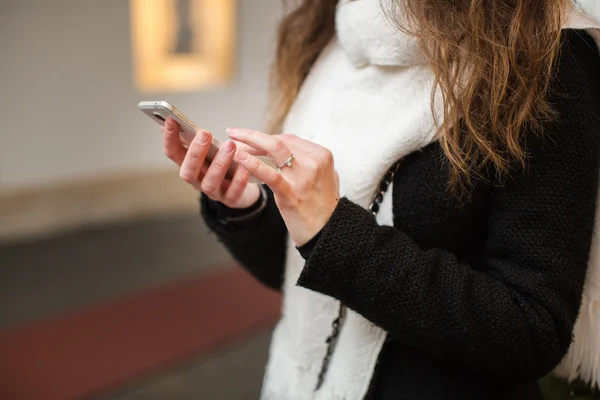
(211, 180)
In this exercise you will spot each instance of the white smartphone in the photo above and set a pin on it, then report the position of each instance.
(160, 111)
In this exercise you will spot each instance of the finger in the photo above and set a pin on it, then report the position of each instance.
(213, 179)
(273, 178)
(298, 143)
(194, 159)
(314, 156)
(249, 149)
(172, 146)
(237, 185)
(273, 146)
(198, 181)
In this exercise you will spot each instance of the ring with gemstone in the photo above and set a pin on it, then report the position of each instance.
(288, 162)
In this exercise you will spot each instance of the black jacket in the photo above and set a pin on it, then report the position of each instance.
(479, 298)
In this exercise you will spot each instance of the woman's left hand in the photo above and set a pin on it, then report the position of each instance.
(307, 192)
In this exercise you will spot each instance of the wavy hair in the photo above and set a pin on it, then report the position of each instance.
(493, 61)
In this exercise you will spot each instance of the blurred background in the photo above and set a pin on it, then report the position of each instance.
(111, 287)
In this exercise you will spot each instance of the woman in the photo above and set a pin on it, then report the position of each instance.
(469, 128)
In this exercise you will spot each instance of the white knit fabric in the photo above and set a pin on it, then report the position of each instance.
(367, 99)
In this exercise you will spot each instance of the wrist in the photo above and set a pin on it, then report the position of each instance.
(312, 224)
(229, 215)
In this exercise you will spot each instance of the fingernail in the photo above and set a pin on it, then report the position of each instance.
(170, 125)
(241, 155)
(203, 137)
(232, 131)
(228, 147)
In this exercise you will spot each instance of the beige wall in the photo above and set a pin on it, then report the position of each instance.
(592, 5)
(67, 104)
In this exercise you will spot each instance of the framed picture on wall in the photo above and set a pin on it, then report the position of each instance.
(182, 45)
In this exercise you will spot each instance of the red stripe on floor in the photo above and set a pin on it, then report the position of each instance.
(105, 346)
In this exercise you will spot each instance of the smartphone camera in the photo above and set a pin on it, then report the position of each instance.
(159, 117)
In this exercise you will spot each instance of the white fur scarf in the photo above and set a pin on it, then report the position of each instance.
(371, 78)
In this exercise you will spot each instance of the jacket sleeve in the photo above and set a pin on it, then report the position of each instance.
(512, 316)
(257, 243)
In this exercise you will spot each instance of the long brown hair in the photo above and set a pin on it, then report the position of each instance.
(493, 61)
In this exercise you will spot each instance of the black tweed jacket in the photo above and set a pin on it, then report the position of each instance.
(479, 299)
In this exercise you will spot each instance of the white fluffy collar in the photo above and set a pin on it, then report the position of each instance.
(368, 36)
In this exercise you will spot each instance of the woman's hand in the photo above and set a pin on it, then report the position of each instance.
(211, 180)
(307, 192)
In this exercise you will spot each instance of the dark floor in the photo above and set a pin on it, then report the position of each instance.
(49, 276)
(57, 274)
(234, 373)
